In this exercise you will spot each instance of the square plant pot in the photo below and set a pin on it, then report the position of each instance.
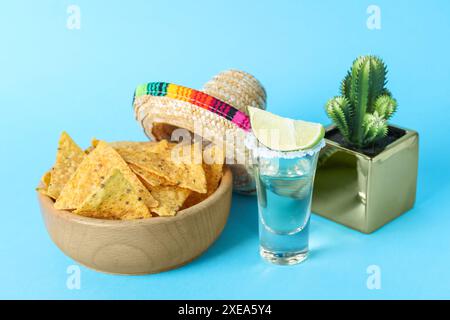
(362, 191)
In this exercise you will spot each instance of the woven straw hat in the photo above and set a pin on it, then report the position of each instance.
(220, 109)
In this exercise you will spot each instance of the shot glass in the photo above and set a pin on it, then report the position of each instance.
(284, 184)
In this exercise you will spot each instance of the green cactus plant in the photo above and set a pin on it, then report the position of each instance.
(365, 105)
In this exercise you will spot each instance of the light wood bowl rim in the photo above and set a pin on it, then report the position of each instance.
(225, 183)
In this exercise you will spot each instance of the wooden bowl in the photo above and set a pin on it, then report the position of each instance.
(140, 246)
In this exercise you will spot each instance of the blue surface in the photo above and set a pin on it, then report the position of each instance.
(54, 79)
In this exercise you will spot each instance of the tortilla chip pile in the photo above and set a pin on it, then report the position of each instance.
(129, 180)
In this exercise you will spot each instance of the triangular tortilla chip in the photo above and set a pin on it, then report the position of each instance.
(68, 159)
(149, 179)
(150, 146)
(213, 166)
(89, 149)
(213, 173)
(92, 172)
(153, 159)
(191, 166)
(170, 198)
(186, 175)
(45, 180)
(116, 198)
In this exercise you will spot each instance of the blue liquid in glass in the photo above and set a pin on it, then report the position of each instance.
(284, 213)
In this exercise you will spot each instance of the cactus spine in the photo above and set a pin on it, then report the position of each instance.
(365, 105)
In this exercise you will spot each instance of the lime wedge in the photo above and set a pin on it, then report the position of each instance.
(283, 134)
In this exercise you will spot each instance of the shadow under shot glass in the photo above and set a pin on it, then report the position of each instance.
(284, 184)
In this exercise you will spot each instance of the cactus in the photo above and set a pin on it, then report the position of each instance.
(365, 105)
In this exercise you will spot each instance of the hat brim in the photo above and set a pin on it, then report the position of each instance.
(199, 99)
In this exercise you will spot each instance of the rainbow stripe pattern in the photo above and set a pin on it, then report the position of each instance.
(198, 98)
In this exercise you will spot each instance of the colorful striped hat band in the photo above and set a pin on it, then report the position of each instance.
(195, 97)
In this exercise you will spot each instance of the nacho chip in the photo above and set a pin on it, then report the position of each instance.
(170, 198)
(92, 172)
(89, 149)
(94, 143)
(116, 198)
(45, 180)
(213, 166)
(186, 175)
(193, 171)
(213, 173)
(176, 174)
(43, 191)
(68, 159)
(149, 179)
(135, 154)
(149, 146)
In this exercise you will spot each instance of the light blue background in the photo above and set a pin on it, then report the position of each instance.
(54, 79)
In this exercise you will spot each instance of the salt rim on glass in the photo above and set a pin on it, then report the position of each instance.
(259, 150)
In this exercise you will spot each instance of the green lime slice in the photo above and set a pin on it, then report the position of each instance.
(283, 134)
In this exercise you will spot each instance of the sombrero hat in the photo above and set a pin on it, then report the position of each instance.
(220, 107)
